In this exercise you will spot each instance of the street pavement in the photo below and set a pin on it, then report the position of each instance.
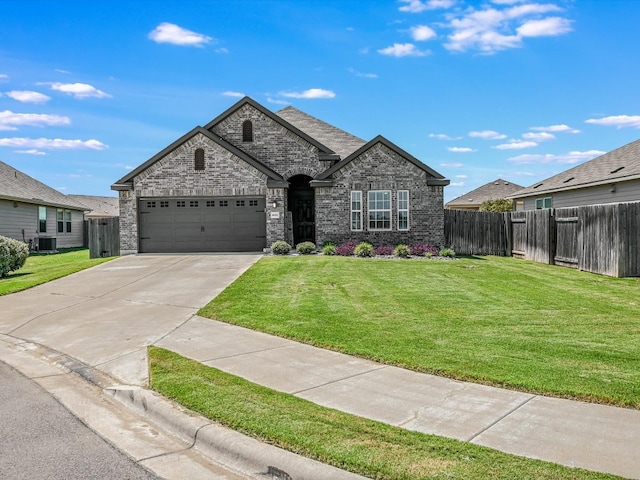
(106, 316)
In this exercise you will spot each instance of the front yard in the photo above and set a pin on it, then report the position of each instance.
(491, 320)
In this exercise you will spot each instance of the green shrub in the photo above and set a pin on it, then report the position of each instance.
(364, 249)
(280, 248)
(428, 254)
(329, 242)
(329, 249)
(13, 254)
(305, 248)
(402, 251)
(447, 252)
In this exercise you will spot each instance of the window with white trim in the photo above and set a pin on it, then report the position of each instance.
(356, 210)
(403, 209)
(63, 219)
(545, 202)
(42, 219)
(379, 205)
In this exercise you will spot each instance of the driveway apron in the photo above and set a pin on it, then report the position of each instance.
(106, 316)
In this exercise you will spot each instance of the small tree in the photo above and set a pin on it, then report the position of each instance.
(497, 205)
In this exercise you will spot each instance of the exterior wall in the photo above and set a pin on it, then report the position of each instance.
(623, 192)
(174, 176)
(380, 169)
(24, 218)
(274, 145)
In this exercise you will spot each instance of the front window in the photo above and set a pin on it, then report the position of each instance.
(60, 220)
(198, 160)
(42, 219)
(403, 209)
(379, 202)
(356, 210)
(67, 220)
(545, 202)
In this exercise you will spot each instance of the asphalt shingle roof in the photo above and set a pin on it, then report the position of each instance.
(341, 142)
(491, 191)
(15, 185)
(616, 166)
(99, 206)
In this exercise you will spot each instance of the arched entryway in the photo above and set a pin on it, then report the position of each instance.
(302, 207)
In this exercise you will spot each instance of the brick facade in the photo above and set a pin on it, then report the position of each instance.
(262, 167)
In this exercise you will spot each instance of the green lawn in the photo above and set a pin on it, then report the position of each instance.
(370, 448)
(42, 268)
(492, 320)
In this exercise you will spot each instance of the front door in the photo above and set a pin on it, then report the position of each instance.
(302, 208)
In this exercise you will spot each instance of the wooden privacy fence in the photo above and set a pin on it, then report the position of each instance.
(103, 237)
(598, 238)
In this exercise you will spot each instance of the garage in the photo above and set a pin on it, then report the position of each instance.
(202, 224)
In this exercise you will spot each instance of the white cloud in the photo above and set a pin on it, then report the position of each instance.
(65, 72)
(3, 76)
(457, 184)
(460, 149)
(52, 144)
(26, 96)
(10, 120)
(310, 93)
(619, 121)
(361, 74)
(229, 93)
(171, 33)
(516, 145)
(568, 158)
(452, 165)
(222, 50)
(78, 90)
(32, 151)
(421, 33)
(555, 128)
(402, 50)
(442, 136)
(547, 27)
(488, 135)
(277, 102)
(462, 176)
(418, 6)
(539, 136)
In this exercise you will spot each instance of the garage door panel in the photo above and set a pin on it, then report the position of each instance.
(202, 224)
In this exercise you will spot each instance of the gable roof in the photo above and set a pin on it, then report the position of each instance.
(491, 191)
(618, 165)
(98, 206)
(341, 142)
(18, 186)
(125, 183)
(435, 177)
(325, 152)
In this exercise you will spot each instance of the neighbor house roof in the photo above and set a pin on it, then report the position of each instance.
(18, 186)
(341, 142)
(98, 206)
(618, 165)
(491, 191)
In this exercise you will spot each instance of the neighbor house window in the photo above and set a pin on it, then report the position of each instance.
(379, 202)
(198, 161)
(60, 220)
(67, 220)
(42, 219)
(247, 131)
(403, 209)
(356, 210)
(545, 202)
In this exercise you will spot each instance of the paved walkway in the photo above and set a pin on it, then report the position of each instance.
(106, 316)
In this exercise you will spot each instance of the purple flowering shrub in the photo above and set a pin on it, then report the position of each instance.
(346, 249)
(383, 250)
(420, 249)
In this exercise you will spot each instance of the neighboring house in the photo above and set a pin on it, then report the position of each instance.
(97, 207)
(491, 191)
(32, 211)
(252, 176)
(610, 178)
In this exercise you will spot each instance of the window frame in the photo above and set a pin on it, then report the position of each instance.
(42, 222)
(198, 160)
(544, 203)
(377, 210)
(403, 210)
(356, 193)
(247, 131)
(67, 221)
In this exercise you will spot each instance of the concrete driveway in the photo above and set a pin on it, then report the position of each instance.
(107, 315)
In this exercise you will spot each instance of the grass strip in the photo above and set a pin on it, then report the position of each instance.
(352, 443)
(42, 268)
(492, 320)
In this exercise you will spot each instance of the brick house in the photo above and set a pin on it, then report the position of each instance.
(252, 176)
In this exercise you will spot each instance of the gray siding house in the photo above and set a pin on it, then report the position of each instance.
(491, 191)
(252, 176)
(610, 178)
(32, 211)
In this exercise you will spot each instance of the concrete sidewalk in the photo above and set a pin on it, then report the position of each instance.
(106, 316)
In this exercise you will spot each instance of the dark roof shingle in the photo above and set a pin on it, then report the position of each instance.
(491, 191)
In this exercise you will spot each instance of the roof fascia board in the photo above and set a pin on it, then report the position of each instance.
(247, 100)
(39, 201)
(574, 187)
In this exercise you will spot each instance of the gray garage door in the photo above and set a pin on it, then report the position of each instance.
(218, 224)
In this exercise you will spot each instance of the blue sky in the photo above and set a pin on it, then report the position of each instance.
(515, 89)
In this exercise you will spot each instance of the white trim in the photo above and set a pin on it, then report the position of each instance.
(355, 193)
(400, 210)
(376, 210)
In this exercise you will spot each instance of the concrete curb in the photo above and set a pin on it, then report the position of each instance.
(231, 449)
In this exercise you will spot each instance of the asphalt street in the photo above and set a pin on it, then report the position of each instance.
(40, 439)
